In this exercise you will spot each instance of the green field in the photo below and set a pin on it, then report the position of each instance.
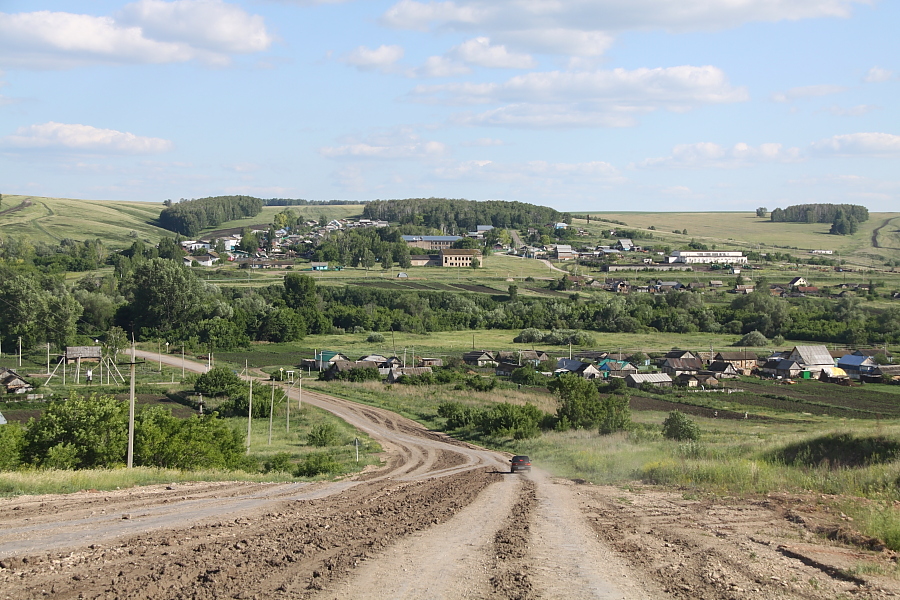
(745, 231)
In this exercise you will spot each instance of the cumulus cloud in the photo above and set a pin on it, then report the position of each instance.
(395, 144)
(439, 66)
(381, 58)
(708, 154)
(602, 98)
(486, 170)
(852, 111)
(210, 24)
(859, 144)
(809, 91)
(605, 15)
(148, 31)
(878, 75)
(82, 138)
(480, 52)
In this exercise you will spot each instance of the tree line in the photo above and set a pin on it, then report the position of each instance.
(454, 217)
(190, 217)
(819, 213)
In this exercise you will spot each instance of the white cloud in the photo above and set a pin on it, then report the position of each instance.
(809, 91)
(859, 144)
(381, 58)
(148, 31)
(599, 98)
(606, 15)
(486, 170)
(852, 111)
(708, 154)
(439, 66)
(395, 144)
(485, 142)
(479, 51)
(570, 42)
(211, 24)
(878, 75)
(82, 138)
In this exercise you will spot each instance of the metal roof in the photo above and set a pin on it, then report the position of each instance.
(813, 356)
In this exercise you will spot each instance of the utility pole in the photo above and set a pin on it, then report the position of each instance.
(20, 350)
(249, 417)
(271, 412)
(182, 362)
(131, 410)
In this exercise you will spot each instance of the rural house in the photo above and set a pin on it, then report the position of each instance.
(812, 358)
(481, 358)
(635, 380)
(743, 361)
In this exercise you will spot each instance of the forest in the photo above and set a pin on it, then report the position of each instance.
(819, 213)
(190, 217)
(454, 217)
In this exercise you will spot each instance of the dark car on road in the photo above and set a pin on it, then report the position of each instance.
(519, 463)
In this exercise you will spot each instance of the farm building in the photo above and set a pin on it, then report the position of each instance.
(635, 380)
(722, 370)
(12, 383)
(677, 366)
(857, 366)
(812, 358)
(744, 361)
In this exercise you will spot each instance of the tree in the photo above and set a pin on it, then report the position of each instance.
(218, 381)
(163, 295)
(475, 262)
(762, 212)
(368, 259)
(754, 338)
(680, 428)
(465, 243)
(513, 291)
(299, 291)
(580, 403)
(79, 433)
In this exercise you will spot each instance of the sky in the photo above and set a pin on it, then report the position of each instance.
(582, 105)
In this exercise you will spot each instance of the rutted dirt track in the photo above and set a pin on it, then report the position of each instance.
(441, 519)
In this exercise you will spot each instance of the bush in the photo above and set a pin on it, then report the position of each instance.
(481, 384)
(529, 336)
(279, 463)
(457, 414)
(318, 463)
(680, 428)
(12, 438)
(324, 434)
(218, 381)
(375, 338)
(754, 338)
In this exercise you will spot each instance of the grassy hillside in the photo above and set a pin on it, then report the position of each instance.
(118, 223)
(877, 239)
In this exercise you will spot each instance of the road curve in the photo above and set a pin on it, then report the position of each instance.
(440, 519)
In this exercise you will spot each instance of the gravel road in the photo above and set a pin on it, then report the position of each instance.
(440, 519)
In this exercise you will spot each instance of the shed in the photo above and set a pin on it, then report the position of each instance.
(634, 380)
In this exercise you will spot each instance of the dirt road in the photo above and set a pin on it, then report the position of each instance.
(441, 519)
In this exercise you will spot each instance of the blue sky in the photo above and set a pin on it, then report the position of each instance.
(575, 104)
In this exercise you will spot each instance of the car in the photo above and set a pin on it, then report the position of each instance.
(519, 463)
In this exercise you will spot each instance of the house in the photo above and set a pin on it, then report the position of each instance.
(679, 354)
(318, 266)
(342, 366)
(635, 380)
(399, 372)
(716, 283)
(889, 372)
(874, 351)
(613, 365)
(625, 245)
(722, 370)
(677, 366)
(707, 257)
(13, 383)
(505, 369)
(481, 358)
(462, 257)
(430, 242)
(2, 419)
(204, 260)
(812, 358)
(576, 367)
(743, 361)
(798, 282)
(375, 358)
(744, 289)
(564, 252)
(781, 367)
(324, 359)
(857, 366)
(431, 362)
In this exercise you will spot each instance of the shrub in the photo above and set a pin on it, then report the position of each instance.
(11, 441)
(318, 463)
(217, 381)
(279, 463)
(457, 414)
(481, 384)
(528, 336)
(678, 427)
(754, 338)
(375, 338)
(324, 434)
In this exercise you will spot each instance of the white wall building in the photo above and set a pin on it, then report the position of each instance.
(707, 256)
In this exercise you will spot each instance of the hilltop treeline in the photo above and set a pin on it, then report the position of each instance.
(457, 216)
(302, 202)
(819, 213)
(190, 217)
